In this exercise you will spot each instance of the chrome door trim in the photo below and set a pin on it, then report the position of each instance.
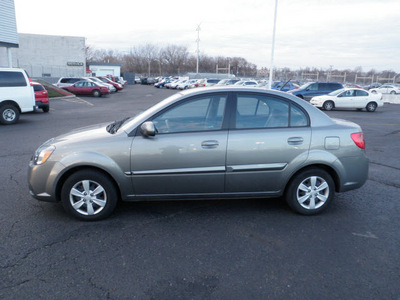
(180, 171)
(256, 167)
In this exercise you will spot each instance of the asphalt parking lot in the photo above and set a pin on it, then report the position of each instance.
(241, 249)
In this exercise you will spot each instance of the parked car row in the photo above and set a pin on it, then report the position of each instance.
(96, 86)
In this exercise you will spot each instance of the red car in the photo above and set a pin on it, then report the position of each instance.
(41, 97)
(106, 80)
(87, 88)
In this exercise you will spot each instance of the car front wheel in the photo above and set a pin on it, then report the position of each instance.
(328, 105)
(310, 191)
(89, 195)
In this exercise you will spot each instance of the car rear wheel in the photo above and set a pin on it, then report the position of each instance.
(9, 114)
(393, 92)
(46, 109)
(371, 107)
(310, 191)
(89, 195)
(373, 92)
(96, 93)
(328, 105)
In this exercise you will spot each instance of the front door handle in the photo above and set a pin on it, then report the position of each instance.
(295, 140)
(210, 144)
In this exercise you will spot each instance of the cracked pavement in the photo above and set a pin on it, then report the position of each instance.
(242, 249)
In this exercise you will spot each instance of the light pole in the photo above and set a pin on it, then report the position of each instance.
(271, 72)
(198, 51)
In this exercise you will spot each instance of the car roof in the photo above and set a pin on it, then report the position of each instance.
(317, 116)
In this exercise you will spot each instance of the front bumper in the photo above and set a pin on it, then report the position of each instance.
(43, 179)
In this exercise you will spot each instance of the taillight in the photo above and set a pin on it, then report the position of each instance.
(358, 139)
(30, 81)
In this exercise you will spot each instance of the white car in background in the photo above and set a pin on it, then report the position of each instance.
(185, 85)
(246, 83)
(98, 81)
(349, 98)
(387, 89)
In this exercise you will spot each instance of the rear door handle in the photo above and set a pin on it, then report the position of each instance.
(210, 144)
(295, 140)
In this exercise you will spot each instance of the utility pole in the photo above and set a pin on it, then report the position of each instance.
(271, 70)
(198, 51)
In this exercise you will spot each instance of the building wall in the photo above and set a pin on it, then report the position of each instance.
(104, 70)
(48, 55)
(8, 25)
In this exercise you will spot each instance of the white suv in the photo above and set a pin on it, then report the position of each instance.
(16, 95)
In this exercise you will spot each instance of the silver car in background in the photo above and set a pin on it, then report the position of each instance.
(212, 143)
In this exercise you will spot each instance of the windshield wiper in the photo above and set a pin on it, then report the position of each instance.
(113, 127)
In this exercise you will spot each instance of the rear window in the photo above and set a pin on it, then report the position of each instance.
(38, 88)
(8, 79)
(70, 80)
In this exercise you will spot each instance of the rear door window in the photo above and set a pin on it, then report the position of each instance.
(9, 79)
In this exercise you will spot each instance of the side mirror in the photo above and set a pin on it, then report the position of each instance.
(148, 129)
(307, 89)
(341, 95)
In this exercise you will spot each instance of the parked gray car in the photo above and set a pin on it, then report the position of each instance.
(213, 143)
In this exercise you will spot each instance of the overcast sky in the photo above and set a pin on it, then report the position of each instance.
(313, 33)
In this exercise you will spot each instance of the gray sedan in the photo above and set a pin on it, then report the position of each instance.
(212, 143)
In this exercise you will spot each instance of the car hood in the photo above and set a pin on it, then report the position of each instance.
(81, 135)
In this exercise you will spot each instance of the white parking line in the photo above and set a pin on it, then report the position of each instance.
(78, 100)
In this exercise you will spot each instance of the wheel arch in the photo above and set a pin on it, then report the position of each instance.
(331, 171)
(10, 102)
(69, 172)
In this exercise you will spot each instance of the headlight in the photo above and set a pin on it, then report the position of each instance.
(43, 154)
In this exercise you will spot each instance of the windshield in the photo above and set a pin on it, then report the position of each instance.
(335, 93)
(147, 113)
(304, 86)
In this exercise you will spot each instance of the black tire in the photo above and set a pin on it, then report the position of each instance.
(373, 92)
(310, 191)
(46, 109)
(300, 96)
(9, 114)
(393, 92)
(328, 105)
(371, 107)
(89, 206)
(96, 93)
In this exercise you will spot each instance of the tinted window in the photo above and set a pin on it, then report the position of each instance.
(197, 114)
(38, 88)
(313, 87)
(259, 111)
(297, 117)
(80, 84)
(348, 93)
(333, 86)
(8, 79)
(64, 80)
(361, 93)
